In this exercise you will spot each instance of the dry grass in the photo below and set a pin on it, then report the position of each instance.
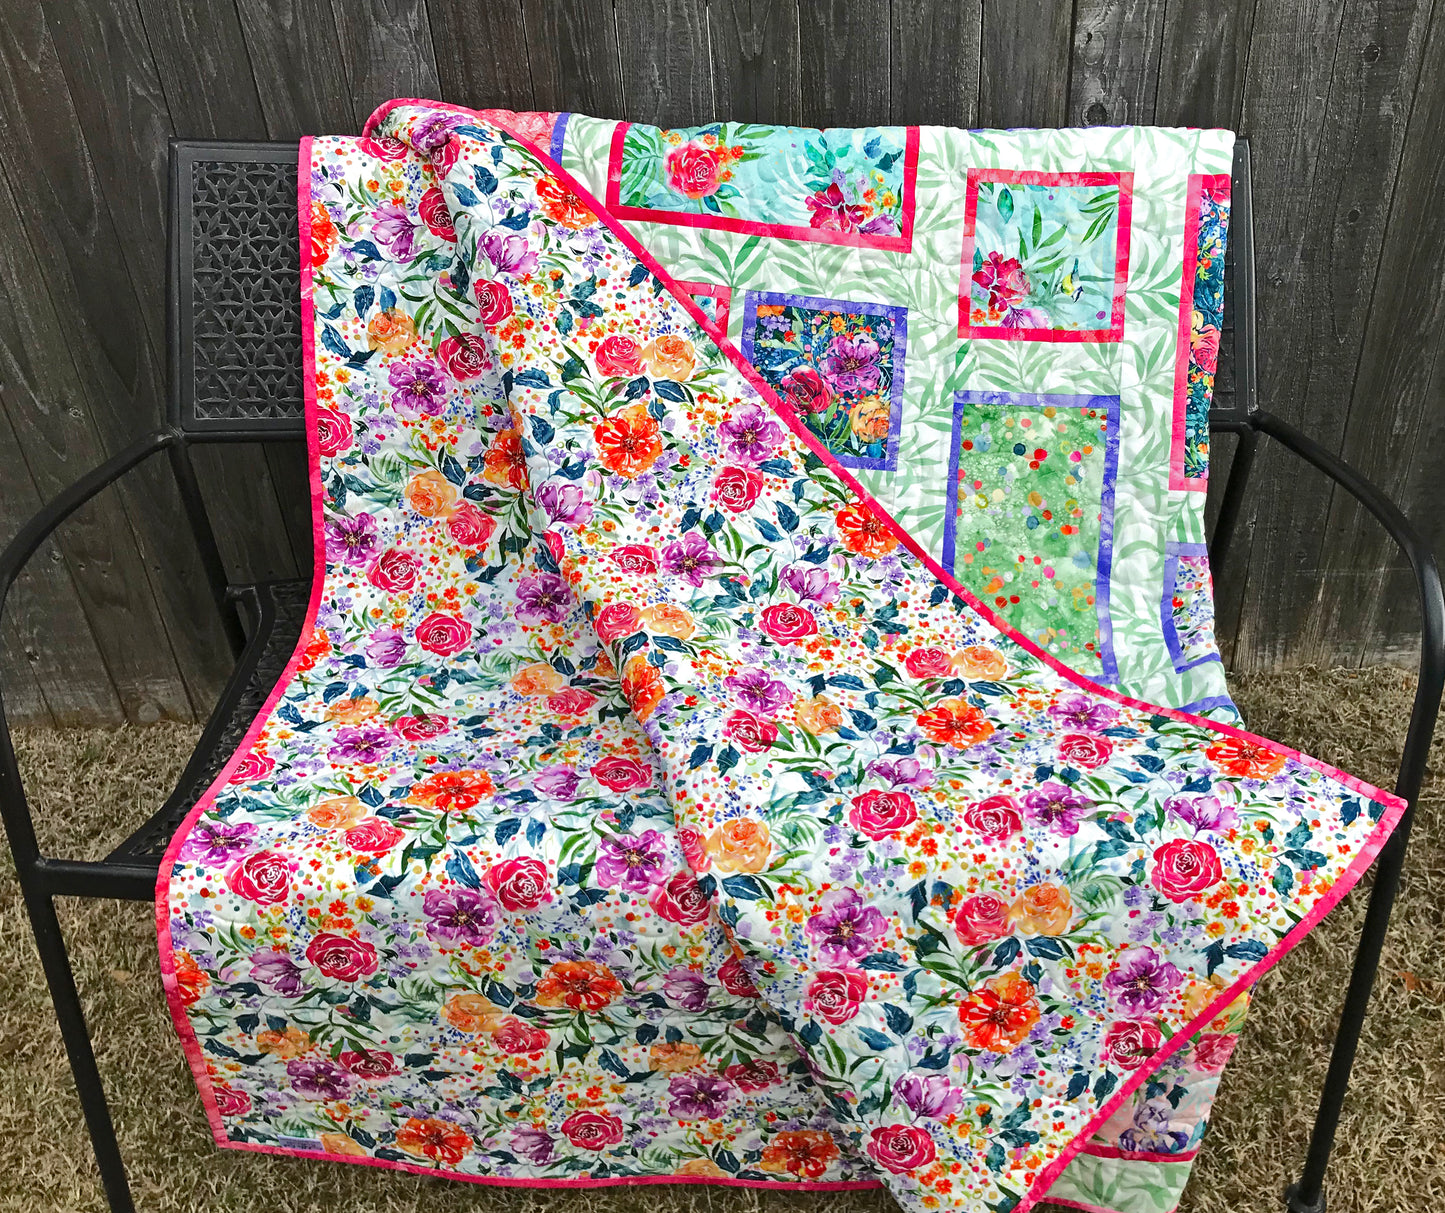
(1391, 1152)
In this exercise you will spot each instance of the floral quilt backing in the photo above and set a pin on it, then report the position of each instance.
(644, 803)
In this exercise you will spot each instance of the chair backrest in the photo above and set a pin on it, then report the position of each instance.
(235, 306)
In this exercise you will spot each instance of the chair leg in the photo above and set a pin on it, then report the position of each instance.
(61, 980)
(1308, 1195)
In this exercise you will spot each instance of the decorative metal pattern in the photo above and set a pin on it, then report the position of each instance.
(245, 292)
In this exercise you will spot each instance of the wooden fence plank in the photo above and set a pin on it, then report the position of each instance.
(1202, 62)
(934, 62)
(1114, 74)
(481, 52)
(126, 116)
(1328, 123)
(674, 87)
(50, 655)
(1024, 75)
(300, 75)
(572, 46)
(1393, 434)
(100, 378)
(845, 45)
(387, 48)
(757, 60)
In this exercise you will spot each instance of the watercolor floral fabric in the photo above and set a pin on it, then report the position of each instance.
(643, 804)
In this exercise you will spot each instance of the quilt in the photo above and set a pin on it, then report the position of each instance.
(644, 801)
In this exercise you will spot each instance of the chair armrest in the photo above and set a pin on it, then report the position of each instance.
(14, 809)
(1427, 580)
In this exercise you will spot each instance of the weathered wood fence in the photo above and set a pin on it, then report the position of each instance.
(1345, 100)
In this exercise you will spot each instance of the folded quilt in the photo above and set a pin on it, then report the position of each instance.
(643, 802)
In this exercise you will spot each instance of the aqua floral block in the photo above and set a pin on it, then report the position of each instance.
(1201, 322)
(854, 187)
(1187, 609)
(836, 363)
(1030, 523)
(1045, 255)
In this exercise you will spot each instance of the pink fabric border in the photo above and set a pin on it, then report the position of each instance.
(976, 177)
(901, 243)
(1393, 805)
(1198, 184)
(1098, 1150)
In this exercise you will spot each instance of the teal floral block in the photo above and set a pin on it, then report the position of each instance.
(1045, 255)
(1201, 321)
(838, 365)
(853, 187)
(1187, 610)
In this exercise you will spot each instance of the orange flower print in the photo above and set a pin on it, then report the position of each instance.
(819, 715)
(340, 1143)
(469, 1012)
(338, 813)
(675, 1058)
(864, 532)
(390, 332)
(1245, 759)
(431, 494)
(1042, 909)
(805, 1152)
(352, 711)
(293, 1042)
(323, 234)
(583, 985)
(955, 722)
(438, 1140)
(628, 442)
(701, 1168)
(642, 687)
(999, 1014)
(538, 678)
(740, 845)
(190, 981)
(670, 357)
(563, 206)
(504, 464)
(980, 661)
(452, 791)
(668, 619)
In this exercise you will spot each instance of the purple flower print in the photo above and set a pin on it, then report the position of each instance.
(386, 647)
(214, 842)
(560, 783)
(904, 773)
(633, 862)
(759, 691)
(691, 558)
(544, 598)
(851, 364)
(459, 916)
(509, 252)
(750, 435)
(394, 231)
(361, 743)
(1143, 981)
(685, 989)
(928, 1094)
(698, 1096)
(1056, 806)
(353, 539)
(418, 389)
(845, 928)
(278, 973)
(564, 503)
(1203, 813)
(532, 1145)
(320, 1078)
(1150, 1132)
(1084, 714)
(810, 583)
(880, 225)
(433, 131)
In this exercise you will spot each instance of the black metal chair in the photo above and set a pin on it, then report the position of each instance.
(235, 376)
